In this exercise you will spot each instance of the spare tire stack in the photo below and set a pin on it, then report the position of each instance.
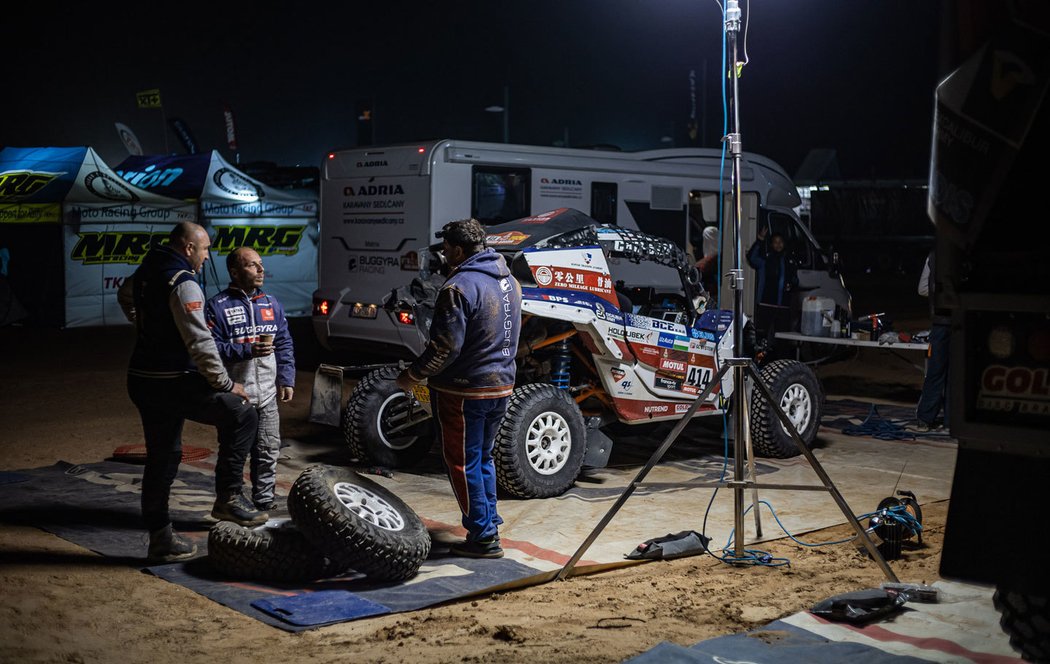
(340, 521)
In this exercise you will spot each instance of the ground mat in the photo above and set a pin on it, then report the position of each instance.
(962, 627)
(97, 506)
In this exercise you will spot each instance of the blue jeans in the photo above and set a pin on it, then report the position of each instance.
(935, 386)
(467, 430)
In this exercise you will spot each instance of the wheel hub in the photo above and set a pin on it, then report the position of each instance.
(548, 441)
(797, 405)
(369, 506)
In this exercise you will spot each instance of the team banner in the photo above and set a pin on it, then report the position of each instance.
(34, 182)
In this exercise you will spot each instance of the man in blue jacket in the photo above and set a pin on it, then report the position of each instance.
(175, 374)
(251, 333)
(469, 366)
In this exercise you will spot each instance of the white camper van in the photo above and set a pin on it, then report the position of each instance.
(381, 205)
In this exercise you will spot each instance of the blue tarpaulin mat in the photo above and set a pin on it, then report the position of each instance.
(96, 506)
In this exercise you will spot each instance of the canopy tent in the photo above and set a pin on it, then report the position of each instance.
(238, 210)
(63, 211)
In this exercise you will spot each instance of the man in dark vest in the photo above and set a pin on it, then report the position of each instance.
(175, 374)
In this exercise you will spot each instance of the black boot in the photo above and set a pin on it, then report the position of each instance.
(166, 546)
(238, 509)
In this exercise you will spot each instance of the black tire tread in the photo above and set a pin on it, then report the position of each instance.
(355, 422)
(266, 554)
(512, 475)
(1026, 620)
(767, 435)
(343, 536)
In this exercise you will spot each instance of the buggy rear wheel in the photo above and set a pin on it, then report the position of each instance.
(384, 424)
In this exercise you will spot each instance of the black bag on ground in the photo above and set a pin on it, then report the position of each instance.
(678, 545)
(859, 606)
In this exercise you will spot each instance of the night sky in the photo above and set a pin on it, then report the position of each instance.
(857, 76)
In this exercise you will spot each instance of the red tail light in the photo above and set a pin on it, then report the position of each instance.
(321, 307)
(406, 318)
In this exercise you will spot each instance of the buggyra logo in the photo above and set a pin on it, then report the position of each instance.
(16, 185)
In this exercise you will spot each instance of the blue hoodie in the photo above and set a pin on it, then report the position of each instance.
(474, 334)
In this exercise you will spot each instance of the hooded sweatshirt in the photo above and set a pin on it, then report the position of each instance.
(474, 334)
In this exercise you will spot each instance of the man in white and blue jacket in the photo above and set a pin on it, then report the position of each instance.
(470, 369)
(240, 318)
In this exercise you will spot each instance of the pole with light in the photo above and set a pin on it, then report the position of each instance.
(505, 110)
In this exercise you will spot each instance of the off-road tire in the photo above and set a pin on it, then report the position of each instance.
(274, 551)
(358, 523)
(795, 386)
(538, 410)
(367, 414)
(1026, 620)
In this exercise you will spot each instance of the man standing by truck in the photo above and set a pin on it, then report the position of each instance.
(469, 366)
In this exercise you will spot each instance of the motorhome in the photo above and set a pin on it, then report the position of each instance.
(380, 206)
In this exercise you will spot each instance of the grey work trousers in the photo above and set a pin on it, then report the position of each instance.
(264, 454)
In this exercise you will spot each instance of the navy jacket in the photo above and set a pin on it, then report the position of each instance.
(474, 334)
(787, 273)
(236, 320)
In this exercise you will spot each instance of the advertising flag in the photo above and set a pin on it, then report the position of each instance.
(183, 132)
(128, 138)
(231, 132)
(148, 98)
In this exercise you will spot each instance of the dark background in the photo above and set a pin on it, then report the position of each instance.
(857, 76)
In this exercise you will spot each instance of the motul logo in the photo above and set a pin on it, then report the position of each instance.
(1016, 381)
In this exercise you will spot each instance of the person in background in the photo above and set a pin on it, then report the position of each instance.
(251, 333)
(776, 277)
(470, 369)
(175, 373)
(934, 396)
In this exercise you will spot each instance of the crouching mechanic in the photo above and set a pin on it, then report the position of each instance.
(251, 333)
(469, 366)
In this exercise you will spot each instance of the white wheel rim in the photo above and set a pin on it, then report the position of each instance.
(369, 506)
(395, 443)
(548, 441)
(797, 405)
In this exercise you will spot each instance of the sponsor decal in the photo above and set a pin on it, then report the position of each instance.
(108, 187)
(542, 218)
(266, 314)
(544, 276)
(509, 238)
(374, 190)
(1021, 390)
(556, 298)
(681, 408)
(266, 240)
(114, 247)
(673, 365)
(16, 185)
(151, 177)
(410, 262)
(676, 328)
(235, 184)
(665, 383)
(599, 310)
(662, 408)
(236, 315)
(196, 305)
(617, 373)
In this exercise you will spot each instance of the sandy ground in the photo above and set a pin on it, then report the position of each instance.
(64, 399)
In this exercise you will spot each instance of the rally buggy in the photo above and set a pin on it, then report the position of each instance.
(614, 330)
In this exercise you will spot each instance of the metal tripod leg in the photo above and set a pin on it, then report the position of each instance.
(873, 551)
(653, 460)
